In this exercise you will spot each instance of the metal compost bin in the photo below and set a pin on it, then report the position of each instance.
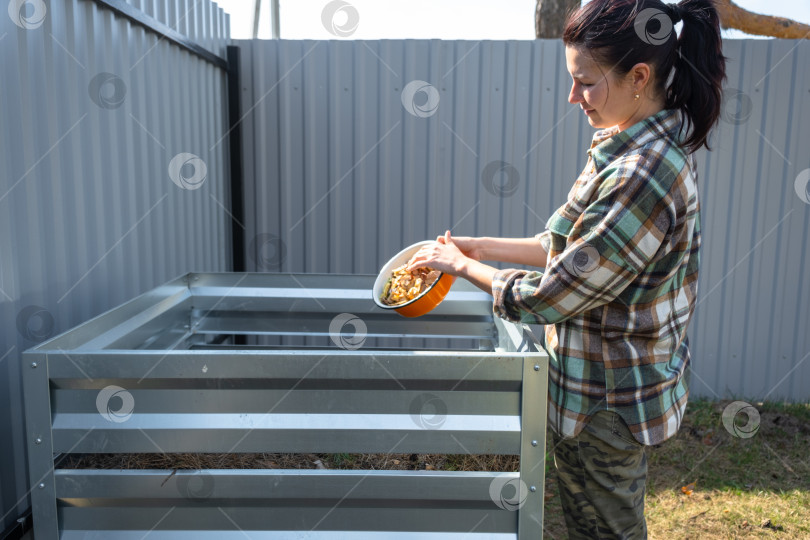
(181, 369)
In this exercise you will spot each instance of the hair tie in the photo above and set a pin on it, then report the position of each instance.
(675, 12)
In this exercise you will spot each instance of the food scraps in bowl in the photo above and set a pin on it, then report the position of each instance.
(403, 285)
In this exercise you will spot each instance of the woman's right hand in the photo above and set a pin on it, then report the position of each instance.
(468, 245)
(524, 251)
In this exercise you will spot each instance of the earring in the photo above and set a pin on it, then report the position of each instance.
(636, 96)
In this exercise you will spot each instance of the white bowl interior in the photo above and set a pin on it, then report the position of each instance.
(397, 260)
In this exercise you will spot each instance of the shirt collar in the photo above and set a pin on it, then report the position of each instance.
(610, 143)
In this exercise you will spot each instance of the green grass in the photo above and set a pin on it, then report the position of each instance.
(341, 461)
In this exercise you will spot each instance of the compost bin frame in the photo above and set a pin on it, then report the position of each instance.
(156, 374)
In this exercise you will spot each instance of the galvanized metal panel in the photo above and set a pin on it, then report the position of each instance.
(278, 535)
(340, 176)
(327, 400)
(273, 504)
(88, 214)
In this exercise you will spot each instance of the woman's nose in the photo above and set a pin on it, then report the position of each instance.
(574, 96)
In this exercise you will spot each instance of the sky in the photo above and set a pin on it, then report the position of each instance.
(434, 19)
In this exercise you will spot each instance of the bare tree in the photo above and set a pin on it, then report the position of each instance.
(549, 20)
(549, 17)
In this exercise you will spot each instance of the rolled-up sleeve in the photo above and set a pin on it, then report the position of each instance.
(617, 237)
(507, 297)
(545, 240)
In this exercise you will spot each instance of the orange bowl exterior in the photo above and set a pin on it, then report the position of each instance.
(430, 299)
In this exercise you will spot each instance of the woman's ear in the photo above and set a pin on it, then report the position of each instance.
(640, 75)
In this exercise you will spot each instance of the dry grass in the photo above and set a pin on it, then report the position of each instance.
(390, 462)
(736, 488)
(743, 488)
(740, 488)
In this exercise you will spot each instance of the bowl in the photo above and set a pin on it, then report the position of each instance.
(423, 303)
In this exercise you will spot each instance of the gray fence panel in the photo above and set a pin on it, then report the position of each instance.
(88, 214)
(340, 176)
(750, 335)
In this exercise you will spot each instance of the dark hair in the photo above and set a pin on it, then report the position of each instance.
(623, 33)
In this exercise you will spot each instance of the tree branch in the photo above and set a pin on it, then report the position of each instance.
(733, 16)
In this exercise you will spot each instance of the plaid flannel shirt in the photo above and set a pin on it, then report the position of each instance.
(619, 285)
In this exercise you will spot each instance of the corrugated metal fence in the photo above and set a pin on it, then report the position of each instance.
(94, 110)
(360, 148)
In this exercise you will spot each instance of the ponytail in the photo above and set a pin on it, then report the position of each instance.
(688, 70)
(700, 69)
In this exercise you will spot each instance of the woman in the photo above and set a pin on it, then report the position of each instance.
(620, 257)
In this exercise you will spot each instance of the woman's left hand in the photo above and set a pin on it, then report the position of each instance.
(442, 255)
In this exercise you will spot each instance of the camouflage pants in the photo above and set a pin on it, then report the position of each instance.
(602, 474)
